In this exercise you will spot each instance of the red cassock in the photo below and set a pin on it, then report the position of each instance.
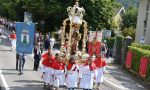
(58, 65)
(48, 60)
(99, 63)
(13, 36)
(94, 48)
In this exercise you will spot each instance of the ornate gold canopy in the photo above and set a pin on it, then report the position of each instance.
(75, 18)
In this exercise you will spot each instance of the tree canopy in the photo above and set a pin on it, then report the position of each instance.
(129, 22)
(99, 13)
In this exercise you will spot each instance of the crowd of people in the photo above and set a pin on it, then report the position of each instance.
(10, 25)
(82, 73)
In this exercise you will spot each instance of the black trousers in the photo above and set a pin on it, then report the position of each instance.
(36, 64)
(17, 61)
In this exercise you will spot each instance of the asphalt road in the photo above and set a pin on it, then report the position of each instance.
(30, 80)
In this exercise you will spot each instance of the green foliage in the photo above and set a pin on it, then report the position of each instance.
(99, 13)
(110, 42)
(129, 32)
(137, 54)
(129, 21)
(128, 3)
(147, 47)
(130, 18)
(148, 72)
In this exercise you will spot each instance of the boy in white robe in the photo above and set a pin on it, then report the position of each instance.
(88, 75)
(72, 71)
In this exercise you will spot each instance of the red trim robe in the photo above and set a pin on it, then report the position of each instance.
(99, 62)
(58, 65)
(48, 60)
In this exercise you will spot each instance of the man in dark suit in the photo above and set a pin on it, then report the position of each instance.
(37, 57)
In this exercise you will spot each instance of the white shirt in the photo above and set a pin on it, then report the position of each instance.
(52, 40)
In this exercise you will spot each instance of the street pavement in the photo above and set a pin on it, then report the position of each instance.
(30, 80)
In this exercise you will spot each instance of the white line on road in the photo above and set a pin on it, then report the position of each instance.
(4, 80)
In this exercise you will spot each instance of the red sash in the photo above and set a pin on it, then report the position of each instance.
(70, 66)
(92, 66)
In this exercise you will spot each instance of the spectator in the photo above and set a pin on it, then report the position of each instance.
(47, 42)
(0, 34)
(103, 50)
(37, 56)
(21, 63)
(52, 42)
(13, 40)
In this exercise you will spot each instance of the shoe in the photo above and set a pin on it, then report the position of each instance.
(20, 73)
(16, 68)
(98, 88)
(44, 87)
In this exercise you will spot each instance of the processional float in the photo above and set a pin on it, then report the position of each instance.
(75, 19)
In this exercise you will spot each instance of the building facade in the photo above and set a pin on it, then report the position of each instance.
(143, 22)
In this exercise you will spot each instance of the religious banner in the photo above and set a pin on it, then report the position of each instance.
(99, 36)
(129, 59)
(95, 38)
(143, 66)
(27, 17)
(91, 35)
(106, 33)
(25, 37)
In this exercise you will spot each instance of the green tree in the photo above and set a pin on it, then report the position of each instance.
(99, 13)
(130, 18)
(129, 22)
(129, 32)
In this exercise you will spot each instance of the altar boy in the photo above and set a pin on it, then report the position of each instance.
(88, 75)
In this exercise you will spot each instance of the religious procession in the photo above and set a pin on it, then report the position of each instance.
(77, 56)
(74, 67)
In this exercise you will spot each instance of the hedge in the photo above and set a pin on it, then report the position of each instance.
(141, 46)
(138, 53)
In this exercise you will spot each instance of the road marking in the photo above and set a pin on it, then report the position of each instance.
(4, 80)
(113, 85)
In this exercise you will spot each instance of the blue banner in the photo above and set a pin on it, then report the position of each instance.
(25, 37)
